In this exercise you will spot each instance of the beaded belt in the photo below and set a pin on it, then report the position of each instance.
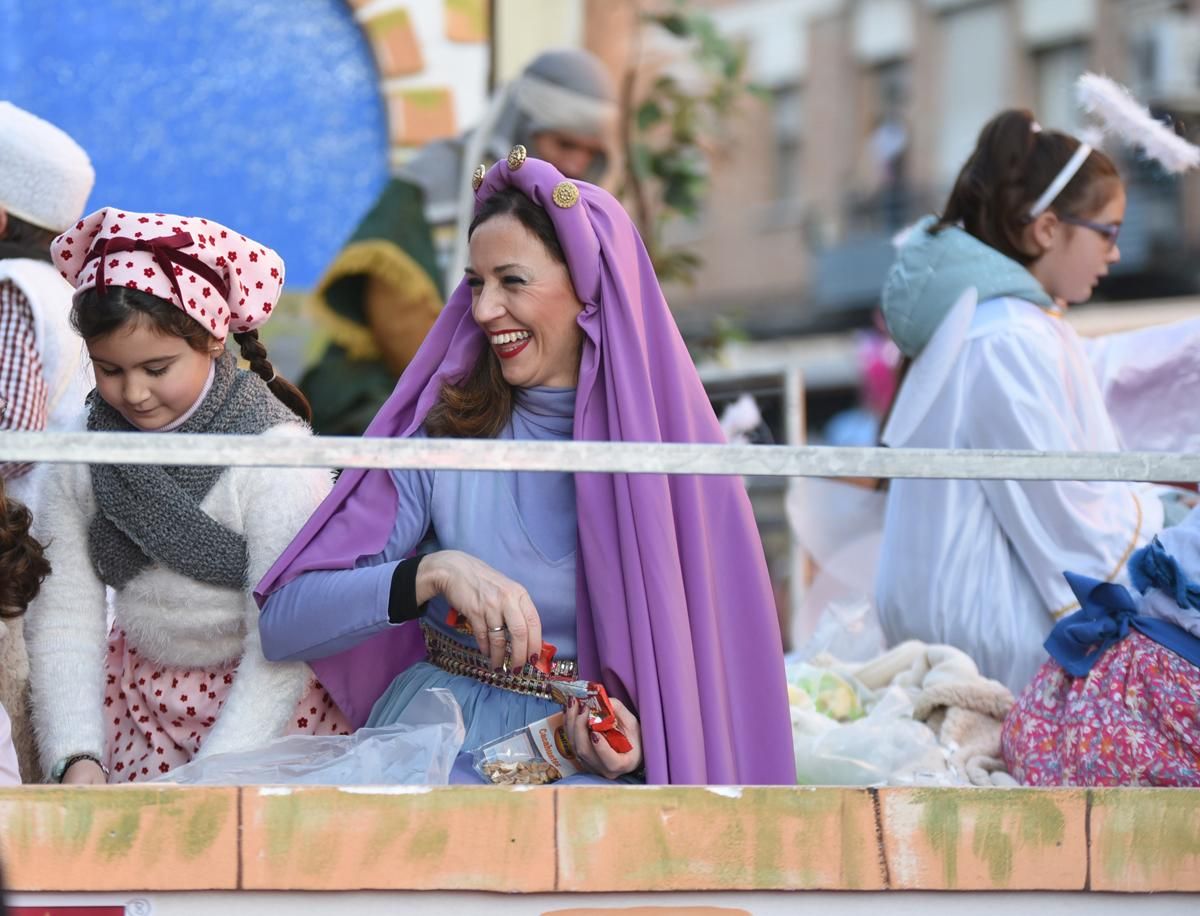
(455, 658)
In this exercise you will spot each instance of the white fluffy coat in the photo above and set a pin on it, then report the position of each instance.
(168, 618)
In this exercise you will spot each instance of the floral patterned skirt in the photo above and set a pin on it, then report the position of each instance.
(157, 716)
(1133, 721)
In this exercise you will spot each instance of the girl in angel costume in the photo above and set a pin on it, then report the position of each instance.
(975, 301)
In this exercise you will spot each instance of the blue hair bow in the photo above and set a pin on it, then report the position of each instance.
(1152, 567)
(1106, 614)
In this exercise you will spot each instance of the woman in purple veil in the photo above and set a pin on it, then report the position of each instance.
(654, 585)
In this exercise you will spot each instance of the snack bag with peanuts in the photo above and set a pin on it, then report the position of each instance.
(534, 755)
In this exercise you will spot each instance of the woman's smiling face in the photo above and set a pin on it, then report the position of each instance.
(522, 298)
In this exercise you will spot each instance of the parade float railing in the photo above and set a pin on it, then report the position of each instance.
(604, 847)
(597, 457)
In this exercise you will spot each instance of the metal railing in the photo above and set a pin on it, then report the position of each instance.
(595, 457)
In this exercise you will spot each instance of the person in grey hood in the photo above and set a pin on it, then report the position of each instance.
(386, 286)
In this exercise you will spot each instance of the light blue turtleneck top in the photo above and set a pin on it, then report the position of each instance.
(520, 523)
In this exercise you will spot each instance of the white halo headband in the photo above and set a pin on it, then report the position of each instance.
(1121, 114)
(1065, 174)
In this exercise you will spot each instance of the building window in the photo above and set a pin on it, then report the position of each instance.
(787, 121)
(881, 186)
(1164, 56)
(975, 83)
(1055, 70)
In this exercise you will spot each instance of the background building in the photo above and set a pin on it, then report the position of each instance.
(872, 106)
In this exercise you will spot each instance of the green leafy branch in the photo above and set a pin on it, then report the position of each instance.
(670, 133)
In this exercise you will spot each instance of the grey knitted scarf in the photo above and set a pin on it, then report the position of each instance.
(150, 515)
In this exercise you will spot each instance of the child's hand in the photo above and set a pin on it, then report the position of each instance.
(84, 773)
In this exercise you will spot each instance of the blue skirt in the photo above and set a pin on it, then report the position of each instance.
(488, 713)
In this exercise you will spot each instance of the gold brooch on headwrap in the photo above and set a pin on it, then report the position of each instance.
(566, 194)
(478, 175)
(516, 157)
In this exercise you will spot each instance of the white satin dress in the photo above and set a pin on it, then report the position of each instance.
(978, 564)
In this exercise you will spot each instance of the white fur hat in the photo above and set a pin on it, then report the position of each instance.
(45, 176)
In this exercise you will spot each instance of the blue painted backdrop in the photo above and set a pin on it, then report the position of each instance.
(261, 114)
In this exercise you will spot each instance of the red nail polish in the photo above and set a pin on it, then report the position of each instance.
(595, 738)
(533, 659)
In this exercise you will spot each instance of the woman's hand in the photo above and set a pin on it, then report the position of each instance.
(593, 751)
(499, 610)
(84, 773)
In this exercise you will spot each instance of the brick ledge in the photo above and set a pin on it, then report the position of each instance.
(619, 839)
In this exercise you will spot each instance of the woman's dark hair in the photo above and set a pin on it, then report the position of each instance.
(480, 405)
(21, 239)
(1011, 167)
(512, 202)
(23, 563)
(95, 316)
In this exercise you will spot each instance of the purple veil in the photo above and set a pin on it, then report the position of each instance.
(675, 610)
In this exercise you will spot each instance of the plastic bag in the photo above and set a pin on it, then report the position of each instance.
(419, 749)
(826, 692)
(847, 630)
(885, 747)
(840, 526)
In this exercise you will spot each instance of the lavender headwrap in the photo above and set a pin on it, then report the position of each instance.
(675, 613)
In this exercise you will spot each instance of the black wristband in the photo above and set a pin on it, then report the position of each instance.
(402, 600)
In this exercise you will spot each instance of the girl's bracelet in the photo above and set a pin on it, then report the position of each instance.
(59, 770)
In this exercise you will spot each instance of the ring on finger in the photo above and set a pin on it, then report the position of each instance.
(499, 629)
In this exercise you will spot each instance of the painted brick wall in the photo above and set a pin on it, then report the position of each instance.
(432, 57)
(620, 839)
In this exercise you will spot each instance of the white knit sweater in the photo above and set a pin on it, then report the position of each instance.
(169, 618)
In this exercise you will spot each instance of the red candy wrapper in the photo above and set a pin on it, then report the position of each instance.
(457, 621)
(602, 718)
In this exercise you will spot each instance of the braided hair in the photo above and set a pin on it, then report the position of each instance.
(254, 352)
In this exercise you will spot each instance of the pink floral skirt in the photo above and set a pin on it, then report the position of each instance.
(156, 716)
(1133, 721)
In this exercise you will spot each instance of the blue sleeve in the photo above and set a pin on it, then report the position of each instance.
(298, 622)
(323, 612)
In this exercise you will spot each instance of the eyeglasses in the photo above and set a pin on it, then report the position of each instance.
(1110, 231)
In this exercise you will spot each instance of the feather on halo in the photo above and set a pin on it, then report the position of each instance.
(1121, 114)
